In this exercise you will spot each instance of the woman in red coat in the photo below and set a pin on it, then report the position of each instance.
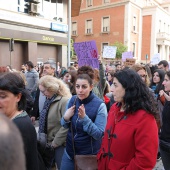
(131, 136)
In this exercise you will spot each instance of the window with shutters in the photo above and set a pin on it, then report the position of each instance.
(106, 24)
(134, 49)
(88, 26)
(103, 45)
(134, 24)
(89, 3)
(106, 1)
(74, 28)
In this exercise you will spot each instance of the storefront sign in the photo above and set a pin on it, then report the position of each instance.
(46, 38)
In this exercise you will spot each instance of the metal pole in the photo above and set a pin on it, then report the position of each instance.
(10, 59)
(69, 33)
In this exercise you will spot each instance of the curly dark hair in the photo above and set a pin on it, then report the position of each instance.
(137, 94)
(86, 72)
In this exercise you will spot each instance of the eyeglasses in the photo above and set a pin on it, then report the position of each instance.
(143, 76)
(43, 91)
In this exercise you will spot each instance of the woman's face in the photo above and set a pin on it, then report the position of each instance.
(118, 90)
(67, 78)
(9, 103)
(45, 92)
(142, 74)
(83, 88)
(156, 78)
(109, 77)
(166, 83)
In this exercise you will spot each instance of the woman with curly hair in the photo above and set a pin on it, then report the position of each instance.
(131, 136)
(86, 117)
(57, 94)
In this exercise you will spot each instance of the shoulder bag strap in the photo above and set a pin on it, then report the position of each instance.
(72, 136)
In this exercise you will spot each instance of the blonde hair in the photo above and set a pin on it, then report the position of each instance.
(55, 85)
(137, 67)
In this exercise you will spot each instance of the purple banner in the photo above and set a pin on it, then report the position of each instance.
(87, 54)
(126, 55)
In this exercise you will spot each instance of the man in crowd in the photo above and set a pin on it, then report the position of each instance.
(163, 64)
(49, 69)
(32, 78)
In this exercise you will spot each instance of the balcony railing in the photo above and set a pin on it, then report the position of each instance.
(163, 35)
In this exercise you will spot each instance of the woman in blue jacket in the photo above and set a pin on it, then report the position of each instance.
(86, 114)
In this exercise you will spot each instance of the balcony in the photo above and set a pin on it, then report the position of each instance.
(163, 35)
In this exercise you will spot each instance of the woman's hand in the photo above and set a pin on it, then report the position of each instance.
(69, 113)
(54, 145)
(161, 93)
(81, 111)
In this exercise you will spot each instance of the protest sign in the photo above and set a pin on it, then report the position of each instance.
(155, 59)
(129, 62)
(109, 51)
(87, 54)
(128, 54)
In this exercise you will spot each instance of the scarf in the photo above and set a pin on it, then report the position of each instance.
(44, 114)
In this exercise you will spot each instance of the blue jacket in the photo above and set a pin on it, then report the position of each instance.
(88, 131)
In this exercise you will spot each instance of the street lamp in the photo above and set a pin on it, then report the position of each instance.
(69, 33)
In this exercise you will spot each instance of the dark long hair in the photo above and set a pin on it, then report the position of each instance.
(161, 75)
(13, 83)
(137, 94)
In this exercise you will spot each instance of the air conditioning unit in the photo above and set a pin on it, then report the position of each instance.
(34, 8)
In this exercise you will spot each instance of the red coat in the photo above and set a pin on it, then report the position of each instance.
(133, 141)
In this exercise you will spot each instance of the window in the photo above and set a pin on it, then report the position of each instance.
(74, 28)
(106, 1)
(166, 9)
(103, 45)
(134, 23)
(159, 25)
(56, 10)
(88, 26)
(134, 49)
(159, 48)
(89, 3)
(105, 24)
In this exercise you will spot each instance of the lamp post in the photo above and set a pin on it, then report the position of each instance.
(11, 48)
(69, 33)
(146, 58)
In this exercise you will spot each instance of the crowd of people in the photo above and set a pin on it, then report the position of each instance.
(118, 113)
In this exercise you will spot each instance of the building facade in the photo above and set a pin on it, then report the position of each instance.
(144, 26)
(39, 30)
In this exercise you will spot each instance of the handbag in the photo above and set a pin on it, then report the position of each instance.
(83, 162)
(45, 149)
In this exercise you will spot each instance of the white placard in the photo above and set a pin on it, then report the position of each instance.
(109, 51)
(155, 59)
